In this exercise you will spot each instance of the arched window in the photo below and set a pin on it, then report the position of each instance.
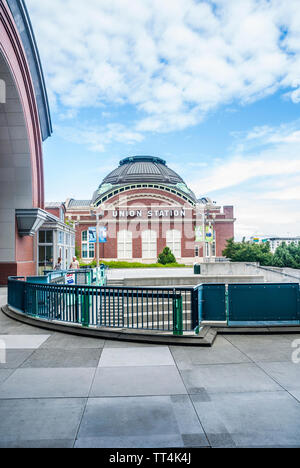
(174, 242)
(149, 244)
(125, 245)
(87, 248)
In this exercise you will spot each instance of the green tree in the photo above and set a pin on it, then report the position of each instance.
(77, 250)
(287, 256)
(166, 257)
(248, 252)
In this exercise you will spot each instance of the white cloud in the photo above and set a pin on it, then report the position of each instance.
(173, 60)
(96, 138)
(262, 181)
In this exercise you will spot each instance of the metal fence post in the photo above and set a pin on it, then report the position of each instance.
(85, 309)
(77, 305)
(177, 315)
(195, 310)
(227, 303)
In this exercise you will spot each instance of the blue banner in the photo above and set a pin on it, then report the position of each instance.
(92, 235)
(102, 235)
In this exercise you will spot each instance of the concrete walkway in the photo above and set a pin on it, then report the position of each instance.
(57, 390)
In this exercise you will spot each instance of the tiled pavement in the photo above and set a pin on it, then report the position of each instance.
(63, 391)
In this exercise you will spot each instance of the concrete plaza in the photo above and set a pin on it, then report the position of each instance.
(59, 390)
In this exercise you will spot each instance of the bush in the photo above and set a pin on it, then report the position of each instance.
(166, 257)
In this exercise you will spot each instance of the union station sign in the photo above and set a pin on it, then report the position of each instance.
(180, 213)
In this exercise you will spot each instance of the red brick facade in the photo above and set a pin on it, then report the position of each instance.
(153, 209)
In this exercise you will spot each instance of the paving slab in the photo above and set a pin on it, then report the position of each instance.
(22, 329)
(228, 378)
(270, 348)
(138, 422)
(23, 341)
(137, 381)
(64, 341)
(127, 344)
(127, 442)
(47, 383)
(12, 327)
(286, 374)
(4, 374)
(39, 423)
(39, 444)
(251, 419)
(295, 394)
(222, 352)
(135, 357)
(14, 358)
(60, 358)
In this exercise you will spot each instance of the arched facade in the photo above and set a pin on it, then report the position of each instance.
(145, 206)
(24, 124)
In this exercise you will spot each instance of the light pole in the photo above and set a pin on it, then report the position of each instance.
(99, 213)
(97, 240)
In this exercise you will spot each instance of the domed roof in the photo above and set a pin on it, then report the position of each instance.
(142, 169)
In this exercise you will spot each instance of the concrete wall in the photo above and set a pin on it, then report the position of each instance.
(269, 274)
(194, 280)
(226, 268)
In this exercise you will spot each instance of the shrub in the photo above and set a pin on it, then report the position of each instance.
(166, 257)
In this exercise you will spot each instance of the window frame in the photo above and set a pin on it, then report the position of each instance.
(87, 247)
(148, 252)
(125, 253)
(174, 244)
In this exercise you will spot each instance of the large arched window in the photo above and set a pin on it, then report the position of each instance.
(125, 245)
(149, 244)
(87, 248)
(174, 242)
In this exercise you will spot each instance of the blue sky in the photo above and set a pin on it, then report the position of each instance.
(212, 87)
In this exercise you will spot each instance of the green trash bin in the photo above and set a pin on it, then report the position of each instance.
(197, 269)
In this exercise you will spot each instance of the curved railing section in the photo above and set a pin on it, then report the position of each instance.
(174, 310)
(155, 309)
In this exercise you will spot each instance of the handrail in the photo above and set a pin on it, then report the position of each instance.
(151, 308)
(125, 288)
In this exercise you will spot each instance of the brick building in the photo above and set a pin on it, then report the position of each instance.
(143, 206)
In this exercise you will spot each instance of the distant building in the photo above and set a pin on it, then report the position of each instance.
(143, 206)
(55, 239)
(275, 242)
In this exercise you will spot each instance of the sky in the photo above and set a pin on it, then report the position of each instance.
(213, 87)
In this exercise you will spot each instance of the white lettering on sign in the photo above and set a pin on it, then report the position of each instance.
(150, 213)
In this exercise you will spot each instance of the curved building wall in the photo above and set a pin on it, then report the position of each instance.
(21, 163)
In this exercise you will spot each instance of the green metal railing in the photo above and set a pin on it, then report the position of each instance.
(160, 309)
(83, 276)
(176, 310)
(250, 304)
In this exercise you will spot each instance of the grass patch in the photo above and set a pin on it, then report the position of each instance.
(124, 265)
